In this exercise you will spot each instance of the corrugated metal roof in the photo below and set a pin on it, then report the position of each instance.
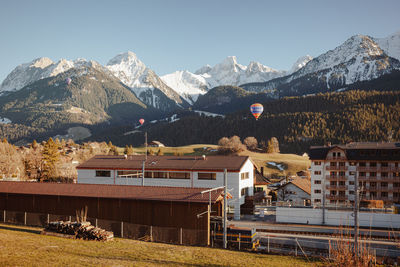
(179, 194)
(210, 163)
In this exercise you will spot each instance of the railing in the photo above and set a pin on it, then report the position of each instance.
(336, 187)
(336, 197)
(336, 178)
(377, 169)
(336, 158)
(338, 168)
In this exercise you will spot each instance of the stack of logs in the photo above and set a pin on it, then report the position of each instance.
(81, 230)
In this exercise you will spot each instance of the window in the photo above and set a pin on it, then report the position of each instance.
(317, 163)
(317, 172)
(342, 164)
(384, 194)
(351, 182)
(244, 191)
(333, 182)
(342, 193)
(317, 191)
(103, 173)
(372, 195)
(333, 193)
(372, 174)
(317, 181)
(207, 176)
(244, 176)
(334, 154)
(352, 173)
(396, 194)
(362, 174)
(160, 175)
(351, 192)
(396, 174)
(396, 185)
(372, 184)
(384, 174)
(362, 164)
(333, 164)
(342, 183)
(338, 154)
(372, 164)
(317, 200)
(384, 164)
(384, 184)
(342, 173)
(179, 175)
(352, 163)
(148, 174)
(333, 174)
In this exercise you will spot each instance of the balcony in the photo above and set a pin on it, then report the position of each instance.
(367, 169)
(336, 187)
(336, 178)
(336, 197)
(337, 168)
(336, 158)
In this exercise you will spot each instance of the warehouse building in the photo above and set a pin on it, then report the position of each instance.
(176, 171)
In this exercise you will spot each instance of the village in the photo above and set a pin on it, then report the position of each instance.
(214, 196)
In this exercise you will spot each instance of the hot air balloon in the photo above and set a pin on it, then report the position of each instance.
(256, 109)
(68, 80)
(141, 121)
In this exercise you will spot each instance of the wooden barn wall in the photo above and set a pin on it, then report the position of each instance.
(155, 213)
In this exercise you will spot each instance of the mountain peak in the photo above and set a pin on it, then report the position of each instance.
(127, 57)
(300, 62)
(42, 62)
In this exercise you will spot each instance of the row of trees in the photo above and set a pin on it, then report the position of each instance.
(234, 145)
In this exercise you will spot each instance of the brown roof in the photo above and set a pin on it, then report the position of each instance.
(260, 179)
(302, 183)
(210, 163)
(178, 194)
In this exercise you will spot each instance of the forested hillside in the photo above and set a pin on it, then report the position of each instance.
(297, 122)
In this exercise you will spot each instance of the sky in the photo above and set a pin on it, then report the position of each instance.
(171, 35)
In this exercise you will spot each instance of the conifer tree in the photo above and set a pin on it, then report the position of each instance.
(50, 158)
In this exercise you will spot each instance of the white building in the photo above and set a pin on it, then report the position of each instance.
(176, 171)
(297, 191)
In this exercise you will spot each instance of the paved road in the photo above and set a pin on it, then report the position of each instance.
(265, 226)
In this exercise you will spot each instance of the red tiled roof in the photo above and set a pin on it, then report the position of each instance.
(210, 163)
(178, 194)
(302, 183)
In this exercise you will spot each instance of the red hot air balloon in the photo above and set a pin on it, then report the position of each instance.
(68, 80)
(141, 121)
(256, 109)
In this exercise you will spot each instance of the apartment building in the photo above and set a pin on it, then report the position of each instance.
(335, 167)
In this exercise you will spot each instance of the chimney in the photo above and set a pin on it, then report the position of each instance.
(204, 157)
(262, 170)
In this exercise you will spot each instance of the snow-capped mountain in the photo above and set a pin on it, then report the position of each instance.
(360, 58)
(41, 68)
(228, 72)
(143, 81)
(301, 62)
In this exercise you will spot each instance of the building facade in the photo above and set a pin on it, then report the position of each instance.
(297, 192)
(176, 171)
(334, 169)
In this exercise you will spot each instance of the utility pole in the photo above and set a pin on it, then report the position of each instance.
(356, 207)
(143, 172)
(145, 143)
(225, 199)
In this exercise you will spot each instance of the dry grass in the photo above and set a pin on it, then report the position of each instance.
(23, 246)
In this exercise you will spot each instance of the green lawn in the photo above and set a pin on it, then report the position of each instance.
(24, 246)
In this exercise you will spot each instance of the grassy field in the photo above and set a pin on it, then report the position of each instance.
(24, 246)
(293, 163)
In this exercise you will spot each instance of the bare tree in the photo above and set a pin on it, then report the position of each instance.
(250, 142)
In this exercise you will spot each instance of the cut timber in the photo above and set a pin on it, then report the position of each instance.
(77, 230)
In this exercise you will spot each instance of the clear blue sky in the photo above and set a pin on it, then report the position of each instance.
(170, 35)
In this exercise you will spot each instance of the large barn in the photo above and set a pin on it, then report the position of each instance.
(177, 171)
(169, 212)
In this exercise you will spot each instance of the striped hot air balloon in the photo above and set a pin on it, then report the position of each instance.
(256, 109)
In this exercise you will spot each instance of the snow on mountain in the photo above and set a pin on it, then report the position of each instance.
(228, 72)
(40, 68)
(143, 81)
(358, 59)
(187, 84)
(390, 44)
(301, 62)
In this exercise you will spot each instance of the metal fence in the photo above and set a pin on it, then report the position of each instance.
(168, 235)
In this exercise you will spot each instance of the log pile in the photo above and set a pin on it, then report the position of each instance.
(80, 230)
